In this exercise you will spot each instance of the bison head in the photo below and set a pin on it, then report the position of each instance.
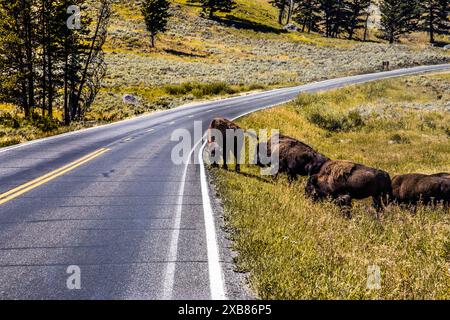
(315, 164)
(311, 190)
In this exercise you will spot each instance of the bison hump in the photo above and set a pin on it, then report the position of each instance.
(340, 170)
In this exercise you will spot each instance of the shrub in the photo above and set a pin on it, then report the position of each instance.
(399, 139)
(335, 122)
(199, 90)
(447, 131)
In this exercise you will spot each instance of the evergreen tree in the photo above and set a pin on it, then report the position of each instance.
(17, 52)
(156, 15)
(51, 39)
(398, 17)
(358, 16)
(285, 9)
(210, 7)
(308, 14)
(336, 14)
(43, 63)
(435, 17)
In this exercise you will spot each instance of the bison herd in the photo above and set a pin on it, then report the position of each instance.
(344, 181)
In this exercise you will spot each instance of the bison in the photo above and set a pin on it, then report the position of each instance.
(295, 157)
(222, 125)
(411, 189)
(344, 181)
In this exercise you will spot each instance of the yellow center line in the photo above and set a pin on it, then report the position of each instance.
(14, 193)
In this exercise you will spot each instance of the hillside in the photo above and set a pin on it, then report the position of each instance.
(246, 47)
(198, 58)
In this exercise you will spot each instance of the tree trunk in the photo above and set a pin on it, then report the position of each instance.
(66, 80)
(50, 89)
(431, 24)
(366, 27)
(391, 38)
(90, 54)
(44, 61)
(282, 8)
(29, 57)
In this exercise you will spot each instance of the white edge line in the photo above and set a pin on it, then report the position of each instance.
(169, 278)
(216, 276)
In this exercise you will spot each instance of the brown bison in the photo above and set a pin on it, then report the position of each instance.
(222, 125)
(344, 181)
(295, 157)
(411, 189)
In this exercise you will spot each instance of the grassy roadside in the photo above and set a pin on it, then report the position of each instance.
(294, 249)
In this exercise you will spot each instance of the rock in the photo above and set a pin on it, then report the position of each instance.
(129, 99)
(290, 27)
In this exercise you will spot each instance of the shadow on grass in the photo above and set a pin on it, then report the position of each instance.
(440, 44)
(245, 174)
(240, 23)
(184, 54)
(252, 176)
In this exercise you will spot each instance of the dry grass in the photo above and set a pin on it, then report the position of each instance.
(294, 249)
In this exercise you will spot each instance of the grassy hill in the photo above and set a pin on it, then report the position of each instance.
(198, 58)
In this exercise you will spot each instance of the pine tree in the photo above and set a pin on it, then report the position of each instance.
(85, 60)
(285, 9)
(51, 39)
(156, 15)
(308, 14)
(336, 15)
(398, 17)
(18, 51)
(210, 7)
(43, 63)
(435, 17)
(358, 10)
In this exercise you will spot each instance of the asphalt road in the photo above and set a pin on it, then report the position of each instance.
(136, 225)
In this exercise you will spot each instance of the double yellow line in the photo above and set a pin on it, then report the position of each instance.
(14, 193)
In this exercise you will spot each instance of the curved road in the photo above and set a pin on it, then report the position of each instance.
(109, 202)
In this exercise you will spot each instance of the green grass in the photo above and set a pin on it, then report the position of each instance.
(295, 249)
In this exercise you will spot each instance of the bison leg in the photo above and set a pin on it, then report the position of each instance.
(379, 205)
(236, 155)
(225, 157)
(345, 203)
(291, 178)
